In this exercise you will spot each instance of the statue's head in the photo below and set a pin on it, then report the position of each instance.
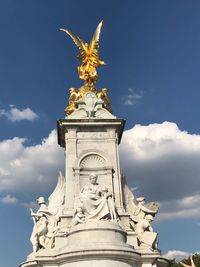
(141, 200)
(93, 178)
(41, 200)
(72, 89)
(79, 210)
(43, 220)
(104, 90)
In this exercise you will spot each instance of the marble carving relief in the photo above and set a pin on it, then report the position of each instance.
(96, 203)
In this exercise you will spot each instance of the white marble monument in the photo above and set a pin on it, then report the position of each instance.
(92, 218)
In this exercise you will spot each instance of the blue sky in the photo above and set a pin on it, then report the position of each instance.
(152, 50)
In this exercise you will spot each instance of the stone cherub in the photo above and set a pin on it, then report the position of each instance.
(79, 216)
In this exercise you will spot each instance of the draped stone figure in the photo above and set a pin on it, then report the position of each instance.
(97, 202)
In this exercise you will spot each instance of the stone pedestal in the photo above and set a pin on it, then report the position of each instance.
(99, 243)
(92, 219)
(94, 244)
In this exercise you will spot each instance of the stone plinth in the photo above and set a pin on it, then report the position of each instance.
(95, 244)
(96, 235)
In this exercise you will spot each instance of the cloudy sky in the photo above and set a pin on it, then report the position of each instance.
(152, 50)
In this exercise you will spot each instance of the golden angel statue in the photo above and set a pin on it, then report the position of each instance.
(88, 55)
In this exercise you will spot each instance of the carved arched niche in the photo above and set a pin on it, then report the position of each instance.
(93, 162)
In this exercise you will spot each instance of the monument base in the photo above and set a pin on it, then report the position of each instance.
(93, 244)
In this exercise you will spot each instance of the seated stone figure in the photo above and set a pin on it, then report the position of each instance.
(96, 203)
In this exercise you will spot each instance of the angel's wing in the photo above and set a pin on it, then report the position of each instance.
(94, 45)
(129, 199)
(56, 199)
(79, 43)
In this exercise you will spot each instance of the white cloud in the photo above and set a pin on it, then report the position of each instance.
(8, 199)
(186, 207)
(132, 97)
(177, 255)
(155, 140)
(14, 114)
(163, 163)
(3, 172)
(30, 168)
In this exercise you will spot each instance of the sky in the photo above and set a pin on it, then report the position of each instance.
(152, 51)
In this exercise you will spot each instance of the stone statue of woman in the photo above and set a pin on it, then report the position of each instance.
(96, 203)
